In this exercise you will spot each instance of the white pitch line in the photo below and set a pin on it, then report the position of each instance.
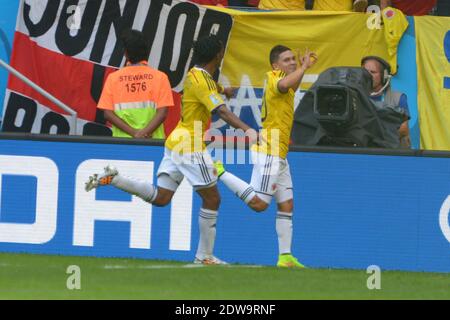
(168, 266)
(163, 266)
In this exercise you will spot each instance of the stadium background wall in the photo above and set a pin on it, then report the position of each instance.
(8, 15)
(405, 80)
(354, 209)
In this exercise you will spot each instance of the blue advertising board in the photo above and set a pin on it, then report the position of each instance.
(351, 210)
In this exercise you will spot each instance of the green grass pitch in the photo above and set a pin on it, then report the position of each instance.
(24, 276)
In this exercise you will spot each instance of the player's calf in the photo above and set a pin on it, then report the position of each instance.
(163, 198)
(211, 198)
(110, 176)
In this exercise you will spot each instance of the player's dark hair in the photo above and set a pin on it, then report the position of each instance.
(276, 51)
(135, 45)
(206, 49)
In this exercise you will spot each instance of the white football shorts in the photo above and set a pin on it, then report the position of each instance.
(271, 176)
(197, 167)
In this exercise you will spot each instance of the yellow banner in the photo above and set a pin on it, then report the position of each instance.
(433, 76)
(339, 38)
(395, 24)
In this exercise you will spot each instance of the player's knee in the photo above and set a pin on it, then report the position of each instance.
(213, 201)
(162, 200)
(261, 207)
(287, 206)
(258, 205)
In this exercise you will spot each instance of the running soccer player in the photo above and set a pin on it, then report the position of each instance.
(271, 174)
(185, 154)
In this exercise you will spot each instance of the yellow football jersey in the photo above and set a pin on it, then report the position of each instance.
(395, 25)
(282, 4)
(277, 115)
(200, 98)
(333, 5)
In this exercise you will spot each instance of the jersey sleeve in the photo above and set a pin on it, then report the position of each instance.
(273, 79)
(207, 94)
(106, 99)
(165, 96)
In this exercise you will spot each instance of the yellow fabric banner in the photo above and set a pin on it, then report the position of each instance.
(395, 24)
(339, 38)
(433, 76)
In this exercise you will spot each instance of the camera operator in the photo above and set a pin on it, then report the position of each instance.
(382, 95)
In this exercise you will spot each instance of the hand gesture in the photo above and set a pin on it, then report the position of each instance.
(308, 59)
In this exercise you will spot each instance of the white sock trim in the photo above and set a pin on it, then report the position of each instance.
(142, 189)
(284, 215)
(284, 231)
(239, 187)
(208, 214)
(209, 211)
(207, 227)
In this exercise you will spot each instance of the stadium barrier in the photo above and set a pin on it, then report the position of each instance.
(353, 207)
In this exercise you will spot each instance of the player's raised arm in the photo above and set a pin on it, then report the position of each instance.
(293, 80)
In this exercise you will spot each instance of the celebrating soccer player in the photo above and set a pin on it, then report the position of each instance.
(271, 174)
(185, 152)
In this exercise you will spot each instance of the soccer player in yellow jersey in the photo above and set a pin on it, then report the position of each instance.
(271, 174)
(185, 154)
